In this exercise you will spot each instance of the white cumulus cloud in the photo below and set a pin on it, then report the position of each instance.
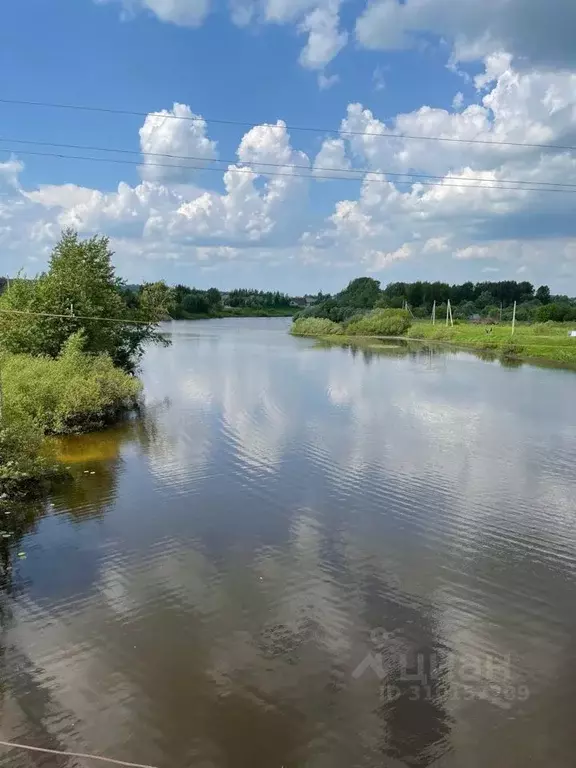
(473, 216)
(170, 135)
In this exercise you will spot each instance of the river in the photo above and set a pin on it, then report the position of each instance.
(304, 557)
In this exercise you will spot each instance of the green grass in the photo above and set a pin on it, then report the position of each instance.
(546, 341)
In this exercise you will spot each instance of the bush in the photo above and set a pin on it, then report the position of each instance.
(23, 458)
(542, 329)
(381, 322)
(71, 393)
(314, 326)
(511, 349)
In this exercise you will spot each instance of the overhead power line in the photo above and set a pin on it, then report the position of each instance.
(81, 755)
(75, 317)
(197, 158)
(310, 129)
(486, 184)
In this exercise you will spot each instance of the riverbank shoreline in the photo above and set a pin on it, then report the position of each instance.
(238, 313)
(560, 356)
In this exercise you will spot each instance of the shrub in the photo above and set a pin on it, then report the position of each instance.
(23, 458)
(511, 349)
(381, 322)
(71, 393)
(314, 326)
(542, 329)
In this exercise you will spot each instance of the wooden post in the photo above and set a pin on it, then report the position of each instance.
(449, 317)
(514, 320)
(434, 313)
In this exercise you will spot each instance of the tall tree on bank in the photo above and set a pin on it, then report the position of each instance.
(80, 284)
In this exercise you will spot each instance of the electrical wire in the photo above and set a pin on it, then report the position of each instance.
(197, 158)
(488, 184)
(76, 317)
(81, 755)
(241, 123)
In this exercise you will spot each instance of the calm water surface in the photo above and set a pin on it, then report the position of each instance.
(304, 557)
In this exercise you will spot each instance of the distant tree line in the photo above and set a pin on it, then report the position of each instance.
(491, 300)
(193, 302)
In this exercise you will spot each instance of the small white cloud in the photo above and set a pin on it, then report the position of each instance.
(379, 260)
(327, 81)
(10, 172)
(378, 79)
(325, 40)
(474, 252)
(458, 101)
(184, 13)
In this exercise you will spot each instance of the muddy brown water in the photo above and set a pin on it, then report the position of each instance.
(304, 557)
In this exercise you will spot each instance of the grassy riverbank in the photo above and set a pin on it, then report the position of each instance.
(542, 341)
(545, 341)
(72, 393)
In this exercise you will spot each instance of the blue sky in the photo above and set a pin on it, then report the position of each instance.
(423, 68)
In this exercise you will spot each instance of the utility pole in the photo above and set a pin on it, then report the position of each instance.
(514, 320)
(434, 313)
(449, 317)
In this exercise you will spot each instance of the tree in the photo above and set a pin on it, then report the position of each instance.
(558, 312)
(543, 294)
(3, 284)
(361, 293)
(465, 310)
(80, 292)
(195, 303)
(214, 297)
(484, 300)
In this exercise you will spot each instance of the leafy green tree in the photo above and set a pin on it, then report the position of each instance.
(196, 303)
(485, 300)
(80, 292)
(558, 312)
(214, 297)
(543, 294)
(362, 293)
(465, 310)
